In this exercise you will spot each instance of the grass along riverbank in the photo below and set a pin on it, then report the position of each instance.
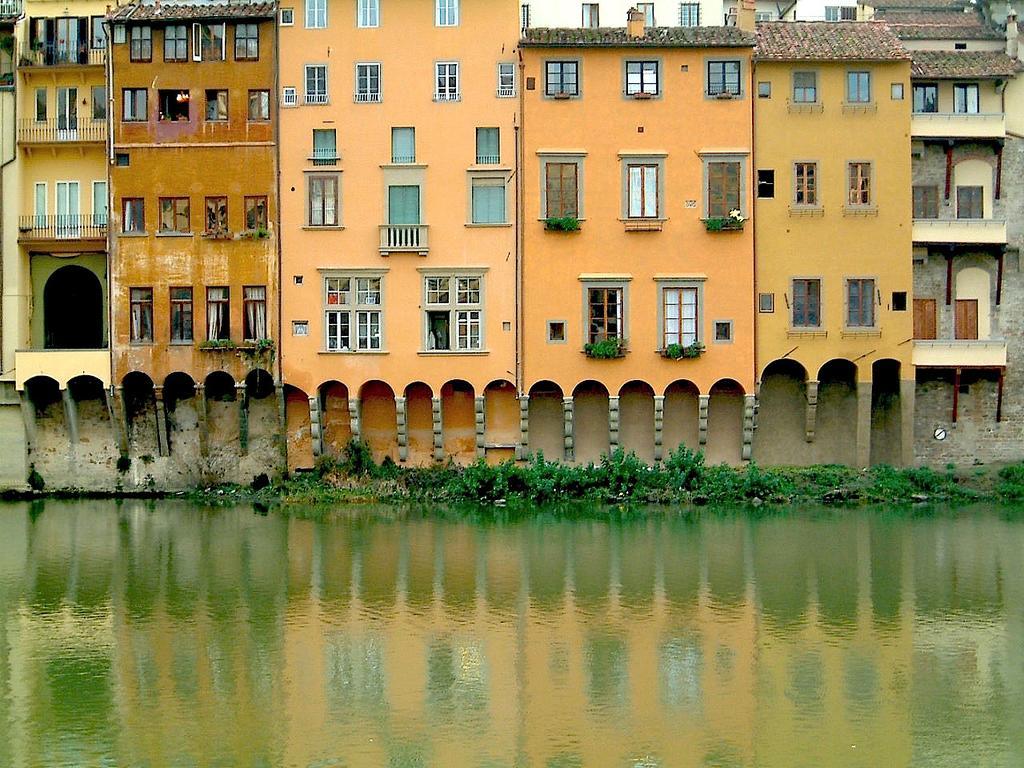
(621, 478)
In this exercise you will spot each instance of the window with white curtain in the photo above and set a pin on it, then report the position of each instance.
(368, 13)
(323, 201)
(316, 14)
(218, 314)
(680, 315)
(447, 13)
(643, 191)
(453, 316)
(353, 314)
(254, 312)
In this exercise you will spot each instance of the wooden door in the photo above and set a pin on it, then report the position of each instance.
(966, 318)
(924, 318)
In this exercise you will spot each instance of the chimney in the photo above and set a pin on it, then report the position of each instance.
(1011, 32)
(745, 19)
(635, 24)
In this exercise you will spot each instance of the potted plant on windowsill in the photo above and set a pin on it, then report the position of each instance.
(255, 234)
(606, 349)
(217, 234)
(218, 344)
(562, 224)
(683, 352)
(724, 95)
(731, 223)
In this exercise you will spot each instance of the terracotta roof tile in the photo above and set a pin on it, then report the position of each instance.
(950, 65)
(939, 25)
(655, 37)
(827, 41)
(916, 5)
(187, 11)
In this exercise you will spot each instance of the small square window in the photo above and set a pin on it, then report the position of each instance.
(723, 331)
(300, 328)
(959, 46)
(287, 17)
(556, 331)
(766, 303)
(121, 160)
(899, 301)
(297, 279)
(764, 90)
(766, 184)
(897, 91)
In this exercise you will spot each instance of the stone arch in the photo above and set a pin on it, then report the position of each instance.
(298, 429)
(501, 420)
(73, 309)
(86, 387)
(590, 421)
(636, 419)
(222, 411)
(835, 440)
(546, 420)
(458, 420)
(335, 417)
(782, 415)
(379, 419)
(43, 392)
(419, 420)
(177, 386)
(219, 387)
(886, 413)
(179, 392)
(725, 422)
(682, 416)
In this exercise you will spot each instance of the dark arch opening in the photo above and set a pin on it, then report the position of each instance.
(138, 393)
(220, 387)
(259, 384)
(178, 386)
(73, 309)
(85, 388)
(43, 392)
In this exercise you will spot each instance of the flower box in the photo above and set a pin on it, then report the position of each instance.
(680, 352)
(606, 349)
(562, 224)
(731, 223)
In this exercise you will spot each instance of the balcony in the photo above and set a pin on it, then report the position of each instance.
(404, 238)
(72, 229)
(941, 125)
(10, 9)
(62, 55)
(61, 365)
(960, 353)
(62, 131)
(960, 231)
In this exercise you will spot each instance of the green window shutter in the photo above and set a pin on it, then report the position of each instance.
(489, 204)
(404, 205)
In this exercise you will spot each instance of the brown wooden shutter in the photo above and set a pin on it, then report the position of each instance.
(924, 318)
(966, 318)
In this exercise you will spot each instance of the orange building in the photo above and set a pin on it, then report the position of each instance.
(398, 147)
(638, 256)
(193, 235)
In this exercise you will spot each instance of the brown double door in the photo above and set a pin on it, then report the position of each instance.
(965, 319)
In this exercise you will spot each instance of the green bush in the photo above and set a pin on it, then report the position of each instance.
(606, 349)
(562, 223)
(680, 352)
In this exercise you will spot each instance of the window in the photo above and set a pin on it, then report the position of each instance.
(965, 98)
(899, 301)
(766, 184)
(119, 34)
(289, 97)
(141, 306)
(367, 82)
(860, 303)
(562, 78)
(723, 78)
(680, 316)
(122, 159)
(970, 202)
(216, 106)
(805, 87)
(368, 13)
(216, 216)
(254, 312)
(99, 33)
(524, 16)
(556, 331)
(174, 105)
(447, 81)
(488, 201)
(591, 15)
(604, 314)
(174, 215)
(175, 43)
(858, 87)
(247, 42)
(181, 315)
(642, 78)
(488, 150)
(141, 48)
(256, 213)
(259, 106)
(353, 313)
(98, 97)
(325, 146)
(760, 16)
(41, 105)
(840, 13)
(561, 187)
(99, 203)
(300, 328)
(723, 331)
(926, 202)
(316, 14)
(926, 97)
(766, 303)
(643, 191)
(403, 145)
(133, 219)
(323, 201)
(218, 314)
(208, 42)
(316, 83)
(859, 186)
(506, 80)
(447, 13)
(647, 9)
(805, 187)
(403, 204)
(689, 14)
(764, 89)
(723, 190)
(287, 17)
(896, 91)
(454, 302)
(806, 303)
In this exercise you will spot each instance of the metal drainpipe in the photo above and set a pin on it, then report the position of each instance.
(753, 210)
(3, 166)
(520, 132)
(109, 85)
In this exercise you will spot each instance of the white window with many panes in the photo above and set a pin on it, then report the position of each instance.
(368, 13)
(316, 14)
(446, 86)
(447, 13)
(368, 82)
(353, 314)
(453, 313)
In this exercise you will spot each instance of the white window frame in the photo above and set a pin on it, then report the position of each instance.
(135, 117)
(315, 14)
(443, 71)
(360, 300)
(641, 172)
(463, 316)
(446, 13)
(637, 84)
(479, 181)
(689, 12)
(289, 96)
(197, 41)
(314, 97)
(368, 14)
(368, 96)
(324, 223)
(685, 339)
(506, 80)
(100, 217)
(287, 17)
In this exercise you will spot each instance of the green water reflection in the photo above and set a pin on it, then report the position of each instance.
(159, 634)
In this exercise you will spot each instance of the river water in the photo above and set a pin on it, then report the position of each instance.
(160, 634)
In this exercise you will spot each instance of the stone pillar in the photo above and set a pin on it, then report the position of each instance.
(863, 423)
(568, 435)
(703, 402)
(28, 415)
(435, 413)
(242, 394)
(316, 433)
(402, 418)
(480, 421)
(523, 449)
(355, 418)
(908, 391)
(659, 427)
(613, 423)
(121, 410)
(749, 408)
(282, 427)
(202, 415)
(162, 442)
(70, 415)
(811, 417)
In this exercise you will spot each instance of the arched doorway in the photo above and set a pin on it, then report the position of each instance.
(73, 309)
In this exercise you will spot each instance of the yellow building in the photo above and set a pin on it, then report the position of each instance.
(833, 245)
(398, 147)
(638, 248)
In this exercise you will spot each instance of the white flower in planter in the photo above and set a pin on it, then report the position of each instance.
(735, 215)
